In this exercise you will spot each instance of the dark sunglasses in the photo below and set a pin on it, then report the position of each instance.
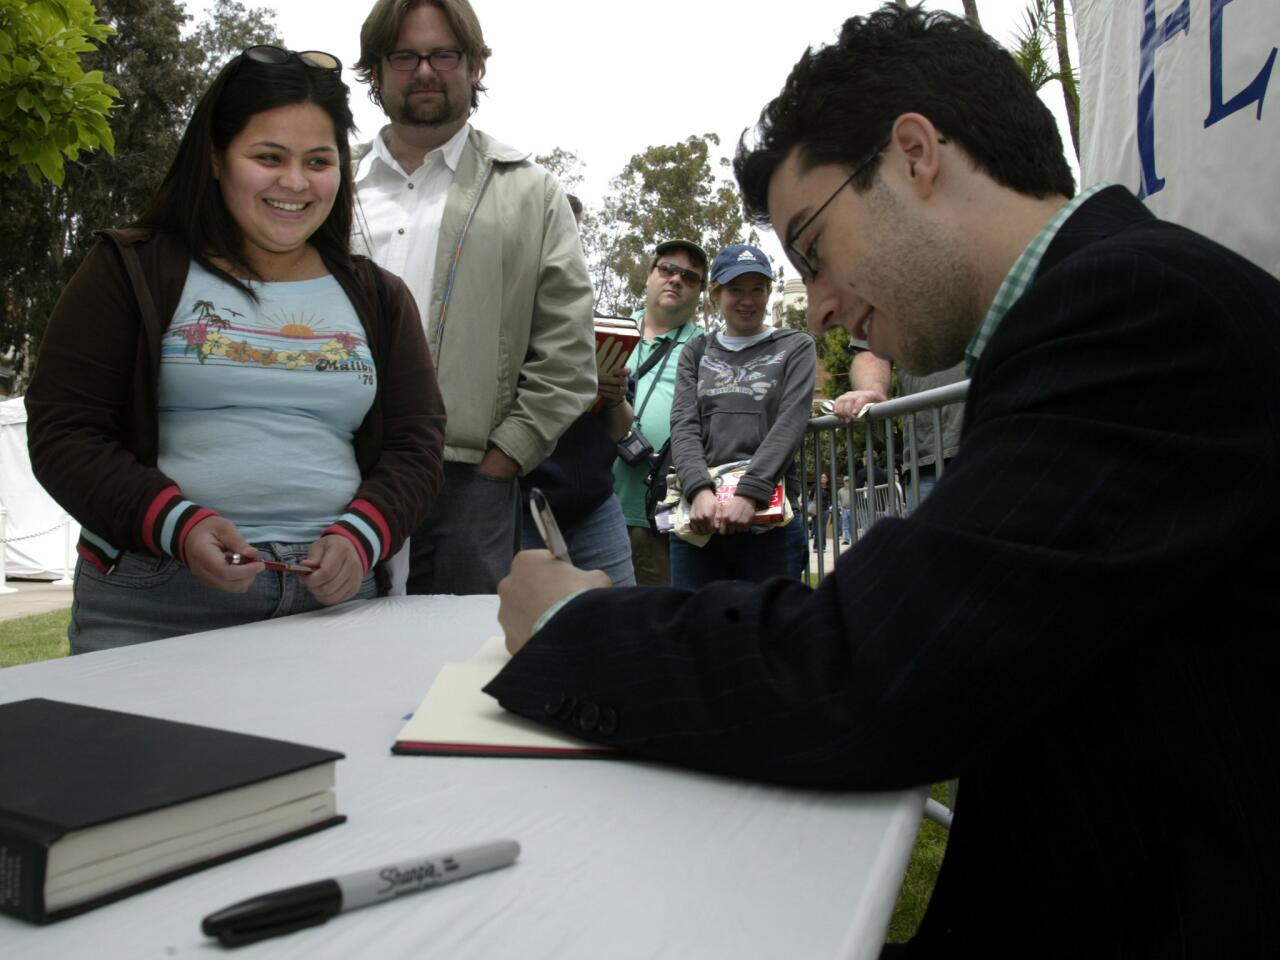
(669, 270)
(317, 59)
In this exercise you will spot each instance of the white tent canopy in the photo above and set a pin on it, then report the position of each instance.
(39, 536)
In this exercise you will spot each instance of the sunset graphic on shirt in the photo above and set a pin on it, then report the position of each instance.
(283, 339)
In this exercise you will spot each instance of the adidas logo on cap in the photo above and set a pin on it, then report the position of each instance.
(747, 255)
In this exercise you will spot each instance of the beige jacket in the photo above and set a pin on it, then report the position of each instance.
(509, 324)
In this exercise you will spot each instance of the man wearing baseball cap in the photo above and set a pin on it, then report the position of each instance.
(677, 276)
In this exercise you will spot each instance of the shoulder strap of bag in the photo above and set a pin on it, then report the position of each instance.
(654, 357)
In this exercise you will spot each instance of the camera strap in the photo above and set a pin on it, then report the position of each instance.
(663, 353)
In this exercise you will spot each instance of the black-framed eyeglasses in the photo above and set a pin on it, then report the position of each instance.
(318, 59)
(669, 270)
(799, 260)
(441, 61)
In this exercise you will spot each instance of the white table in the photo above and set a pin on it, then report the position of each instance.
(620, 859)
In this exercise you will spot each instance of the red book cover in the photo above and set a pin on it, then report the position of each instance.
(616, 337)
(727, 486)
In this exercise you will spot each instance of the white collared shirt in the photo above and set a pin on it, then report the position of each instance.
(398, 214)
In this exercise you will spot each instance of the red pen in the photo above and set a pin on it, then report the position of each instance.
(237, 560)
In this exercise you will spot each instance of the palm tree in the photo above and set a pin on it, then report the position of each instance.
(1045, 28)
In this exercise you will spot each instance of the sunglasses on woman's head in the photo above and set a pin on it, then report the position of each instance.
(317, 59)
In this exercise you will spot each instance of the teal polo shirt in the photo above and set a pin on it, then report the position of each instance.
(655, 423)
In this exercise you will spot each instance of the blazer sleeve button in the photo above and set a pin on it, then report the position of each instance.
(608, 721)
(588, 716)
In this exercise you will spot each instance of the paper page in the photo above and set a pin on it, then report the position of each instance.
(456, 710)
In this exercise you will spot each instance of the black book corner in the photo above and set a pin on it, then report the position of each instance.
(98, 804)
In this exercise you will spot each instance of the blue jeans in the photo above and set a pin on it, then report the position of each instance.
(469, 536)
(928, 480)
(846, 523)
(598, 541)
(149, 598)
(754, 557)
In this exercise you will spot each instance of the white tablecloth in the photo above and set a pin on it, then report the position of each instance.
(619, 859)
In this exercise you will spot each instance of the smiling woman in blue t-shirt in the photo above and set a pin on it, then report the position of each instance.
(224, 381)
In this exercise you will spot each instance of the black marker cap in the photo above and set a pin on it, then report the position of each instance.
(275, 913)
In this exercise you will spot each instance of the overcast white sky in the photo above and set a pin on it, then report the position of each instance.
(607, 79)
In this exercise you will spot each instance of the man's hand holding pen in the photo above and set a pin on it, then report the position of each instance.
(539, 579)
(537, 582)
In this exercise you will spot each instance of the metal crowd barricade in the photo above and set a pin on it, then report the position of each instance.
(894, 422)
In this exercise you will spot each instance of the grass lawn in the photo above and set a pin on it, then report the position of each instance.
(44, 637)
(29, 639)
(922, 871)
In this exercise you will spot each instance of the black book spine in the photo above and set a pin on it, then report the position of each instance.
(23, 859)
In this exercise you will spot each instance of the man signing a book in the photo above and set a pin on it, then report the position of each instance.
(1048, 626)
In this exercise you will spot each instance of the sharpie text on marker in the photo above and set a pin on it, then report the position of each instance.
(293, 908)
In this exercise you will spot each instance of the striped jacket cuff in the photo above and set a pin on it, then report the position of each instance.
(365, 526)
(167, 522)
(101, 555)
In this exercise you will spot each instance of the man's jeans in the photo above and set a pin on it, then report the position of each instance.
(598, 541)
(466, 543)
(928, 480)
(149, 598)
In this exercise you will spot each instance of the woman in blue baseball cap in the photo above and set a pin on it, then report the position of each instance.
(743, 396)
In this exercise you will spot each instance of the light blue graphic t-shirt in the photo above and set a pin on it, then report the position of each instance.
(259, 403)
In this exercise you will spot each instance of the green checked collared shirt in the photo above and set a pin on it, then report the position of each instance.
(1020, 277)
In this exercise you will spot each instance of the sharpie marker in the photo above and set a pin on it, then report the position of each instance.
(283, 911)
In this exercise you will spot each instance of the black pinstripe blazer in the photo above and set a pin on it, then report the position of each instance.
(1080, 623)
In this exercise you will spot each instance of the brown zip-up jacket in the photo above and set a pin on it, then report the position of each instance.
(92, 409)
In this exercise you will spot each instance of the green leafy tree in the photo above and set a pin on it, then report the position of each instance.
(232, 28)
(677, 190)
(159, 75)
(565, 165)
(834, 352)
(51, 109)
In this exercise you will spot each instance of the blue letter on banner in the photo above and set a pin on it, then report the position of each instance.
(1255, 91)
(1153, 38)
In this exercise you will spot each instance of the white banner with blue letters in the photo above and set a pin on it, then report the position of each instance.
(1180, 102)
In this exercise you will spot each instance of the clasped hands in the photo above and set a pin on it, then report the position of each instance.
(336, 568)
(709, 515)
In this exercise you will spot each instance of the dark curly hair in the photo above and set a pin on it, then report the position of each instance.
(840, 102)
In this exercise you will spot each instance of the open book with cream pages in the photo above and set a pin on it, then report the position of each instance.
(457, 718)
(616, 338)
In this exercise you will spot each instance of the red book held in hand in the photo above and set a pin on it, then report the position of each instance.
(616, 337)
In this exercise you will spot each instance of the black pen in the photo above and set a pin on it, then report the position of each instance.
(283, 911)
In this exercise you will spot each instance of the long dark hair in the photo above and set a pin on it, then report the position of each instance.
(189, 202)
